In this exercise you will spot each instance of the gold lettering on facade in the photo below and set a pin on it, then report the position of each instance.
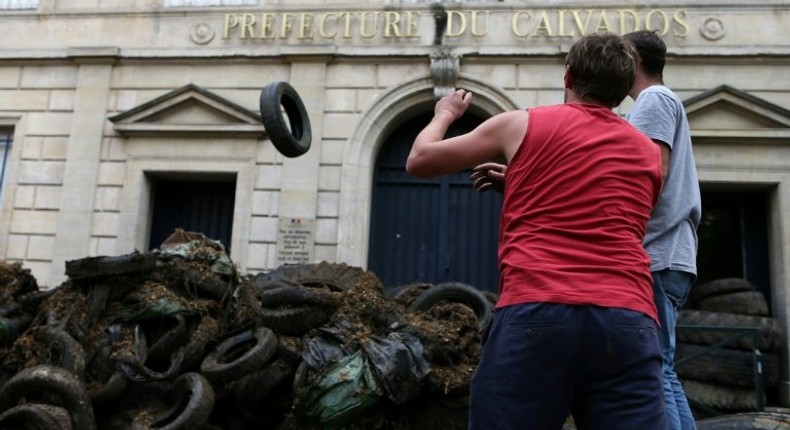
(391, 20)
(363, 20)
(266, 26)
(663, 27)
(455, 18)
(679, 18)
(322, 26)
(412, 24)
(561, 31)
(286, 24)
(247, 24)
(582, 27)
(476, 20)
(543, 26)
(305, 25)
(603, 23)
(231, 22)
(477, 23)
(346, 16)
(624, 14)
(515, 21)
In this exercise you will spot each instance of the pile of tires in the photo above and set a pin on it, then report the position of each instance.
(716, 367)
(176, 338)
(746, 421)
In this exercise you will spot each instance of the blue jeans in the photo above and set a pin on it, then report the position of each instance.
(541, 361)
(670, 291)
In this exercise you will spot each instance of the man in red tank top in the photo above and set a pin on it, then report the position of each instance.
(575, 328)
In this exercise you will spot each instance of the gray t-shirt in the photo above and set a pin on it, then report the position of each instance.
(671, 239)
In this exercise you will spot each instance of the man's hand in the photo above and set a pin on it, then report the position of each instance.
(489, 176)
(453, 105)
(429, 153)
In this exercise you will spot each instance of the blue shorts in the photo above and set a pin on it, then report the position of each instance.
(542, 361)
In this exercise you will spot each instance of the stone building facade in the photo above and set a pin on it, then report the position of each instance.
(103, 102)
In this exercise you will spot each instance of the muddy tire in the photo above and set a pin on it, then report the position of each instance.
(137, 367)
(301, 377)
(742, 303)
(725, 366)
(12, 327)
(205, 332)
(289, 348)
(35, 416)
(454, 292)
(31, 301)
(290, 308)
(298, 295)
(405, 294)
(173, 335)
(239, 355)
(52, 380)
(768, 329)
(268, 389)
(337, 276)
(103, 266)
(746, 421)
(109, 391)
(63, 349)
(292, 139)
(721, 397)
(296, 320)
(192, 400)
(718, 287)
(103, 381)
(209, 283)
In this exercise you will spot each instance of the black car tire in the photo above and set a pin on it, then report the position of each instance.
(724, 366)
(35, 416)
(291, 141)
(54, 380)
(746, 421)
(454, 292)
(240, 355)
(191, 402)
(769, 331)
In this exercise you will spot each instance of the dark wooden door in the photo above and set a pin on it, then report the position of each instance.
(431, 230)
(204, 206)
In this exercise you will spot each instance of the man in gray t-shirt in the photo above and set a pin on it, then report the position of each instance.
(671, 238)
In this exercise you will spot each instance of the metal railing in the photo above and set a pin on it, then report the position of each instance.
(735, 333)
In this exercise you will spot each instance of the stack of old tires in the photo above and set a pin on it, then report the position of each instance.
(178, 339)
(720, 370)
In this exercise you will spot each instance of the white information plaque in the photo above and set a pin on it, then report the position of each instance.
(295, 240)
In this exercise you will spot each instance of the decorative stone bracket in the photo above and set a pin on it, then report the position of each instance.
(444, 70)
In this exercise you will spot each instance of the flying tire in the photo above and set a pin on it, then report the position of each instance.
(291, 138)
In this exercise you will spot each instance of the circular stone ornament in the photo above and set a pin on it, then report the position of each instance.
(712, 29)
(202, 33)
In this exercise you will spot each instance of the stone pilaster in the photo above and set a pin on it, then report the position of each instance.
(73, 231)
(300, 177)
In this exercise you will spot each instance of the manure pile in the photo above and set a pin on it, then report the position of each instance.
(177, 338)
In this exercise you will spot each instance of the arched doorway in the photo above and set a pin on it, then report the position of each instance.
(430, 230)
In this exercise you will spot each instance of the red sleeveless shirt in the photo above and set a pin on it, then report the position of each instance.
(578, 194)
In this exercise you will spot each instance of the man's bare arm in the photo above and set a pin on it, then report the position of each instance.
(665, 152)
